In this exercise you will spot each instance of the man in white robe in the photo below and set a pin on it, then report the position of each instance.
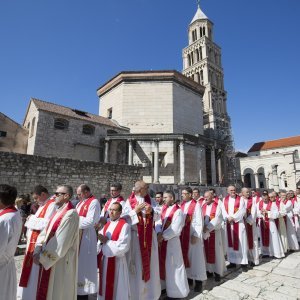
(289, 205)
(88, 210)
(168, 228)
(297, 214)
(115, 192)
(114, 242)
(250, 223)
(35, 224)
(192, 240)
(212, 213)
(141, 212)
(282, 221)
(10, 231)
(268, 213)
(57, 250)
(233, 210)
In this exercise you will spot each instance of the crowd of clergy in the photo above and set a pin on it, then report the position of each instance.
(139, 247)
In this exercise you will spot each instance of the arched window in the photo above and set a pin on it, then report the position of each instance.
(88, 129)
(61, 124)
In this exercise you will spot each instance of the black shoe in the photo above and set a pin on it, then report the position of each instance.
(252, 264)
(265, 256)
(217, 277)
(198, 286)
(231, 266)
(163, 292)
(82, 297)
(209, 274)
(244, 268)
(190, 281)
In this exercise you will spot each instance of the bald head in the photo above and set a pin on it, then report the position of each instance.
(245, 192)
(141, 188)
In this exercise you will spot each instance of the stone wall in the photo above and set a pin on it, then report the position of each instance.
(25, 171)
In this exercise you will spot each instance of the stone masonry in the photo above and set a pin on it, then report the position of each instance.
(26, 171)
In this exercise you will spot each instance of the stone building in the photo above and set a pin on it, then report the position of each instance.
(59, 131)
(13, 137)
(179, 126)
(272, 164)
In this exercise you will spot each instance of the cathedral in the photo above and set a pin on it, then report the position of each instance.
(180, 130)
(173, 124)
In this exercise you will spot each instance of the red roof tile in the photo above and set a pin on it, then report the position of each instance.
(281, 143)
(73, 113)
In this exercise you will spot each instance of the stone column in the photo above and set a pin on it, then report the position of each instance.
(200, 150)
(106, 149)
(275, 178)
(220, 173)
(182, 163)
(130, 152)
(213, 166)
(156, 162)
(256, 181)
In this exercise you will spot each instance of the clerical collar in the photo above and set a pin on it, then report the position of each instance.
(116, 197)
(115, 220)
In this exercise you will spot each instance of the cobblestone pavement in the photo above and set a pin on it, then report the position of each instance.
(273, 279)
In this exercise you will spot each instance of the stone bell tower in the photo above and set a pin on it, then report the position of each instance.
(202, 62)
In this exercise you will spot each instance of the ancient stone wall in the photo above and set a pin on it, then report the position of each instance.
(25, 171)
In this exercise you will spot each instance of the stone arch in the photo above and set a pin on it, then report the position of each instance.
(248, 175)
(261, 177)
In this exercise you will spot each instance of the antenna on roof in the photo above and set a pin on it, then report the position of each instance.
(198, 2)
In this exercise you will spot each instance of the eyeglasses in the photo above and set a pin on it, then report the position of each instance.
(58, 194)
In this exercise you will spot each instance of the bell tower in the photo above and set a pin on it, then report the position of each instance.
(202, 62)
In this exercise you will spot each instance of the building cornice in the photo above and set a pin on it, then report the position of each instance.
(148, 76)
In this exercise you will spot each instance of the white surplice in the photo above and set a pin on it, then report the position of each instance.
(141, 290)
(87, 259)
(176, 279)
(34, 223)
(275, 245)
(196, 256)
(118, 250)
(10, 231)
(219, 267)
(282, 227)
(61, 255)
(290, 226)
(253, 254)
(297, 217)
(240, 256)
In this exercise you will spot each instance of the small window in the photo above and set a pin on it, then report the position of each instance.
(109, 113)
(88, 129)
(61, 124)
(3, 133)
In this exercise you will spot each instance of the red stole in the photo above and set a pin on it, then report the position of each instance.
(28, 260)
(145, 230)
(265, 225)
(163, 246)
(210, 243)
(185, 233)
(9, 209)
(111, 263)
(249, 230)
(85, 206)
(44, 276)
(83, 213)
(235, 232)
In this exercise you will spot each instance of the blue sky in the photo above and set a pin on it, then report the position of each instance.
(62, 51)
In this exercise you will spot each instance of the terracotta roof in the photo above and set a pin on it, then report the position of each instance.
(72, 113)
(286, 142)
